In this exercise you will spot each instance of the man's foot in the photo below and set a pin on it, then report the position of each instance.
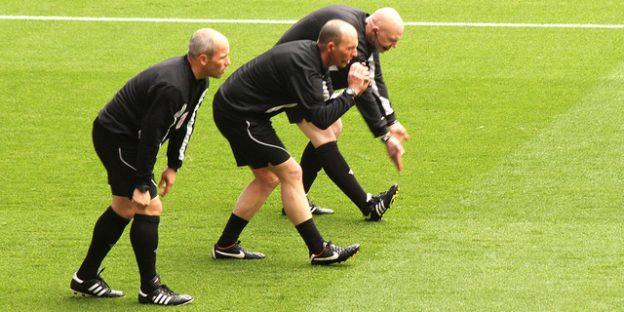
(235, 251)
(95, 287)
(162, 295)
(332, 254)
(378, 205)
(315, 210)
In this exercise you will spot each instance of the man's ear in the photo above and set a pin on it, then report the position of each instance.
(331, 46)
(203, 59)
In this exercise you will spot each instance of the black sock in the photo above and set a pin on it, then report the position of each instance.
(232, 230)
(338, 171)
(106, 233)
(311, 236)
(144, 239)
(310, 166)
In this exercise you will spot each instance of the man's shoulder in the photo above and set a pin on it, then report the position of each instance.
(292, 50)
(171, 73)
(339, 9)
(170, 65)
(300, 51)
(304, 44)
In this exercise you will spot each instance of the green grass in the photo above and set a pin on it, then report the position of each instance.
(510, 201)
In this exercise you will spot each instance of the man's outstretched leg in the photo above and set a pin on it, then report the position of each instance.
(295, 203)
(331, 160)
(248, 203)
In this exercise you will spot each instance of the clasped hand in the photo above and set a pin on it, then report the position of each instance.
(359, 78)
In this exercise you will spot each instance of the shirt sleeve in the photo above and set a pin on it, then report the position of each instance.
(310, 90)
(381, 91)
(179, 139)
(373, 104)
(155, 125)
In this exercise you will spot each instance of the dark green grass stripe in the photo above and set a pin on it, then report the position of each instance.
(540, 231)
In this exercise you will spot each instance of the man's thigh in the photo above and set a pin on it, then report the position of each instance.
(118, 155)
(254, 142)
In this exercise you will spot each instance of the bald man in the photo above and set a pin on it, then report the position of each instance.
(290, 76)
(159, 104)
(377, 33)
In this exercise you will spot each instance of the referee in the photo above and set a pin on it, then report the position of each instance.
(159, 103)
(291, 76)
(377, 33)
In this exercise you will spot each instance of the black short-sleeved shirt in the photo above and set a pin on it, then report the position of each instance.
(159, 103)
(373, 104)
(289, 76)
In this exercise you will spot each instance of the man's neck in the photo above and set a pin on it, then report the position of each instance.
(194, 67)
(324, 57)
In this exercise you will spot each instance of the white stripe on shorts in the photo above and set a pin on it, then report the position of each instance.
(123, 161)
(262, 143)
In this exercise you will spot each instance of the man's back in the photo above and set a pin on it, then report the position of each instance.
(309, 27)
(171, 78)
(282, 77)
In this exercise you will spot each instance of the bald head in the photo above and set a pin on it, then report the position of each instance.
(336, 31)
(205, 41)
(388, 19)
(337, 42)
(384, 28)
(208, 53)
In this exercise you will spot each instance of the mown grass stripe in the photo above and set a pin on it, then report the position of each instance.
(542, 216)
(288, 22)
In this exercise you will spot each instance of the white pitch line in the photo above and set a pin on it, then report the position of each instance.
(144, 19)
(518, 25)
(268, 21)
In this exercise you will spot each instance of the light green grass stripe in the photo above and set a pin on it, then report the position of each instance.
(534, 233)
(288, 22)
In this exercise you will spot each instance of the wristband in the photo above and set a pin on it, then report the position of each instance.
(350, 92)
(386, 137)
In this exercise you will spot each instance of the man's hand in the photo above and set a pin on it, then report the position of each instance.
(395, 151)
(141, 198)
(399, 132)
(358, 78)
(167, 179)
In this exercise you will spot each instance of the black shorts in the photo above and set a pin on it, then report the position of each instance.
(253, 141)
(118, 155)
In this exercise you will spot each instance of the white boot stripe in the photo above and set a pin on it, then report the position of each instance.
(157, 298)
(93, 286)
(168, 299)
(101, 292)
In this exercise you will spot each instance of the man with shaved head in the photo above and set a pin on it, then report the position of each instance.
(377, 33)
(291, 76)
(159, 104)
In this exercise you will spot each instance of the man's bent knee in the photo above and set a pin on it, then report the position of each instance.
(267, 178)
(292, 173)
(126, 208)
(336, 128)
(153, 209)
(288, 171)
